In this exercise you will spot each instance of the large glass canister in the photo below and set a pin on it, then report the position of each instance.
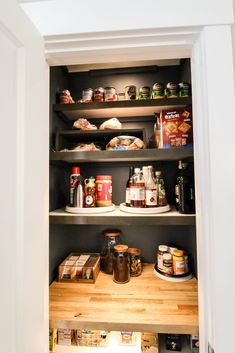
(112, 237)
(121, 264)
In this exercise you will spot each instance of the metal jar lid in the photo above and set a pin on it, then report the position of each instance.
(121, 248)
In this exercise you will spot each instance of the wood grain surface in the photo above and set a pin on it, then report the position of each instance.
(146, 303)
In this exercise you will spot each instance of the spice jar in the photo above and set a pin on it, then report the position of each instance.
(178, 262)
(121, 264)
(112, 237)
(167, 264)
(135, 261)
(162, 249)
(104, 190)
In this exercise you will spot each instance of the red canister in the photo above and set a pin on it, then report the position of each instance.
(104, 190)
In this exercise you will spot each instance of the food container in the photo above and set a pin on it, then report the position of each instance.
(158, 91)
(130, 92)
(184, 89)
(144, 92)
(178, 262)
(127, 338)
(135, 262)
(149, 342)
(174, 128)
(92, 338)
(80, 268)
(99, 94)
(103, 190)
(87, 95)
(112, 237)
(66, 337)
(121, 264)
(110, 94)
(162, 249)
(172, 90)
(121, 96)
(167, 264)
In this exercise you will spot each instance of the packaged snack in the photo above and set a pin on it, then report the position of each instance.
(174, 129)
(83, 124)
(125, 143)
(112, 124)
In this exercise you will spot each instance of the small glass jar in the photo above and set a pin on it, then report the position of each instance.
(162, 249)
(121, 264)
(135, 262)
(112, 237)
(178, 262)
(167, 264)
(103, 190)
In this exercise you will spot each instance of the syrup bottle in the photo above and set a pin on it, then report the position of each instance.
(128, 184)
(89, 192)
(137, 189)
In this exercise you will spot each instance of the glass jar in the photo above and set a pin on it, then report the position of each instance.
(112, 237)
(162, 249)
(135, 262)
(121, 264)
(104, 190)
(178, 262)
(167, 264)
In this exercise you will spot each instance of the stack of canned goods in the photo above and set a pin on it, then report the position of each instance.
(172, 261)
(159, 91)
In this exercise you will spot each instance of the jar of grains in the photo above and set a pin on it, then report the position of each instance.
(121, 264)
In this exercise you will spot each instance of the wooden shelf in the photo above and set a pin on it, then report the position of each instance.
(146, 303)
(171, 154)
(119, 109)
(118, 217)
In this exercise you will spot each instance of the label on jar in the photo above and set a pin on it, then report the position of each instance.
(160, 260)
(151, 197)
(179, 267)
(89, 200)
(104, 191)
(137, 193)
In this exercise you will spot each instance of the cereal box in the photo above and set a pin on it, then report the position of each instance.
(174, 128)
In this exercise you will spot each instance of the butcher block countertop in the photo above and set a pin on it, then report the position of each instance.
(146, 303)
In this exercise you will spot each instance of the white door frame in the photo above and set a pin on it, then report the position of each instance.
(210, 50)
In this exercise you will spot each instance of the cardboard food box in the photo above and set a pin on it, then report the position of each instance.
(92, 338)
(149, 342)
(66, 337)
(80, 268)
(174, 128)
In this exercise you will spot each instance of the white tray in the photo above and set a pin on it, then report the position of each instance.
(91, 210)
(161, 209)
(181, 278)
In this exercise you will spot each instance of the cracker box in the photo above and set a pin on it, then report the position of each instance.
(149, 342)
(80, 268)
(194, 343)
(174, 128)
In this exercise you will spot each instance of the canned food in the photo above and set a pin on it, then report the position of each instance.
(110, 94)
(184, 89)
(130, 92)
(158, 91)
(172, 90)
(104, 190)
(87, 95)
(144, 92)
(99, 94)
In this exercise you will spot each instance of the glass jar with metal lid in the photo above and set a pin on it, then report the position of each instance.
(112, 237)
(178, 262)
(121, 264)
(162, 249)
(135, 262)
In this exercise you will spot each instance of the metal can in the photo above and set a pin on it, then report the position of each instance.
(172, 90)
(103, 190)
(130, 92)
(184, 89)
(110, 94)
(99, 94)
(87, 95)
(144, 92)
(135, 262)
(158, 91)
(121, 264)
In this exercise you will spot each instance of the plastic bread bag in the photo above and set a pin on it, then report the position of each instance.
(125, 143)
(83, 124)
(112, 124)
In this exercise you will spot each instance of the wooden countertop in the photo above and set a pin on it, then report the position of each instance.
(146, 303)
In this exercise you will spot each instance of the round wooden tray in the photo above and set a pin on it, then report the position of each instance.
(172, 278)
(91, 210)
(138, 210)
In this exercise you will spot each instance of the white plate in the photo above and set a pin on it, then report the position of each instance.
(91, 210)
(127, 209)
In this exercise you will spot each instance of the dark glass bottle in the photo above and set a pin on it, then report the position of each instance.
(112, 237)
(128, 183)
(184, 189)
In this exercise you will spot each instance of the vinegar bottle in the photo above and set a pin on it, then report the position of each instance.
(137, 189)
(150, 189)
(161, 193)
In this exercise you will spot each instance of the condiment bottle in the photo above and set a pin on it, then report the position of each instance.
(89, 192)
(121, 264)
(128, 184)
(162, 249)
(184, 189)
(75, 173)
(178, 262)
(112, 237)
(161, 193)
(135, 262)
(137, 189)
(150, 190)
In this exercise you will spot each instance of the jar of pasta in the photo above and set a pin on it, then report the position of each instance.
(135, 262)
